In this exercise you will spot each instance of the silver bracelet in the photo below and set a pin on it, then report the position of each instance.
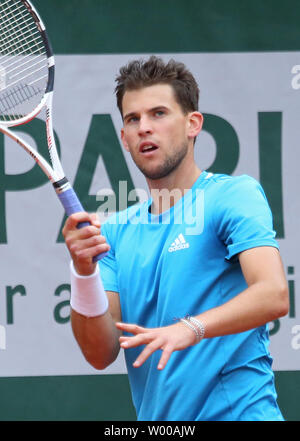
(199, 325)
(195, 325)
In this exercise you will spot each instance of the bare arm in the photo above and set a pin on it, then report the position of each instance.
(265, 299)
(97, 336)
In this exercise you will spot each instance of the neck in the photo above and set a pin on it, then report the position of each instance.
(165, 192)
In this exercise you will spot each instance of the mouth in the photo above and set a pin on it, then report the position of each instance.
(147, 148)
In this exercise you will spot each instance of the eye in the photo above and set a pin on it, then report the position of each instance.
(131, 119)
(159, 113)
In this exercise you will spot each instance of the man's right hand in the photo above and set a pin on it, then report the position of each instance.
(84, 243)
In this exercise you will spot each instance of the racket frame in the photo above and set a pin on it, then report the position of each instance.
(55, 173)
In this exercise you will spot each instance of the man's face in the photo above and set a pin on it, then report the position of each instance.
(156, 131)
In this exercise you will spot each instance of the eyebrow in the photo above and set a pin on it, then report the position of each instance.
(128, 115)
(153, 109)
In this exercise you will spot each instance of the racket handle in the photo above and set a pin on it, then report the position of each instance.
(72, 205)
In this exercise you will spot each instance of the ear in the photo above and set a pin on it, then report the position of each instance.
(124, 142)
(195, 123)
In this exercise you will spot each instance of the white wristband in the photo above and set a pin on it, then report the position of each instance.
(87, 293)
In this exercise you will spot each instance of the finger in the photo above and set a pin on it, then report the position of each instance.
(88, 231)
(167, 352)
(87, 236)
(131, 328)
(73, 220)
(95, 220)
(147, 352)
(137, 340)
(83, 238)
(90, 241)
(90, 252)
(124, 339)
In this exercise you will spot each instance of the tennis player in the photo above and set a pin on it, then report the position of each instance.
(192, 276)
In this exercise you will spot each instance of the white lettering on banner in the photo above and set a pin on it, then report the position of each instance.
(296, 339)
(2, 337)
(296, 78)
(34, 298)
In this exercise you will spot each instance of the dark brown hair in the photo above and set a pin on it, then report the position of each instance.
(139, 73)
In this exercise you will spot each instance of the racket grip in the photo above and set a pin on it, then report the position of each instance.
(72, 205)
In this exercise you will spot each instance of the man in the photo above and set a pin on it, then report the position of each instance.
(192, 276)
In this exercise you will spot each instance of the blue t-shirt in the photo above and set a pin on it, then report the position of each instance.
(181, 262)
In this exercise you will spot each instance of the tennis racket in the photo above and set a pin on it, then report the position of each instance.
(26, 87)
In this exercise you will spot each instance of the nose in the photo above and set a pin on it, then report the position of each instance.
(145, 127)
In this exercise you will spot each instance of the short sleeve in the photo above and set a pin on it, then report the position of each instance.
(108, 265)
(243, 216)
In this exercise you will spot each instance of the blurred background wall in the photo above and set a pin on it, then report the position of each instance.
(246, 57)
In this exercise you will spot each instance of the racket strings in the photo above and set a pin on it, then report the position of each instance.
(13, 35)
(12, 98)
(9, 44)
(23, 61)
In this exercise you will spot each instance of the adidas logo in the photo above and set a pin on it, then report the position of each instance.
(178, 244)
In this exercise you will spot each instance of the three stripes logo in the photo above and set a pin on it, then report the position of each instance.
(178, 244)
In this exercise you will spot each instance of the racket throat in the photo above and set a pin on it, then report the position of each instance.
(62, 185)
